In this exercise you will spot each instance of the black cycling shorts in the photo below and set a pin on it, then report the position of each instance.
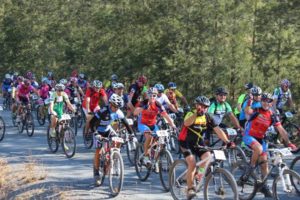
(191, 149)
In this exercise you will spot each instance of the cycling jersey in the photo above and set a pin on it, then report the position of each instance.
(44, 91)
(282, 97)
(94, 98)
(58, 103)
(240, 101)
(149, 114)
(6, 84)
(163, 100)
(82, 83)
(260, 121)
(193, 135)
(254, 105)
(24, 91)
(172, 94)
(137, 92)
(218, 111)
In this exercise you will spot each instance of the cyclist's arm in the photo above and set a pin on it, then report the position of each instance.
(125, 122)
(234, 121)
(240, 102)
(190, 119)
(221, 134)
(70, 106)
(88, 101)
(129, 103)
(283, 134)
(137, 111)
(168, 118)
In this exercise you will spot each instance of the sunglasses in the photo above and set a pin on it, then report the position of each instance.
(256, 95)
(153, 95)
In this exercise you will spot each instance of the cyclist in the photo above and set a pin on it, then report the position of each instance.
(44, 89)
(82, 83)
(102, 120)
(73, 90)
(191, 135)
(260, 120)
(147, 113)
(51, 80)
(218, 109)
(6, 85)
(56, 108)
(108, 84)
(119, 90)
(252, 101)
(163, 99)
(22, 96)
(172, 93)
(242, 98)
(135, 92)
(282, 96)
(91, 100)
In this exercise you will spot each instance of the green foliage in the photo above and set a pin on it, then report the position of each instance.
(196, 43)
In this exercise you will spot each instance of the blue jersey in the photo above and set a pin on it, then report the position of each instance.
(254, 105)
(106, 117)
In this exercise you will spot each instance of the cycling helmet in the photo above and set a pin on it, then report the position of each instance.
(97, 84)
(44, 80)
(160, 88)
(202, 100)
(116, 100)
(221, 90)
(114, 77)
(20, 78)
(26, 82)
(63, 81)
(119, 85)
(255, 90)
(172, 85)
(59, 87)
(142, 79)
(73, 80)
(29, 75)
(16, 74)
(7, 76)
(152, 90)
(50, 74)
(267, 96)
(248, 86)
(81, 76)
(285, 82)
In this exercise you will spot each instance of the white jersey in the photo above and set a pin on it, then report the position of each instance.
(163, 100)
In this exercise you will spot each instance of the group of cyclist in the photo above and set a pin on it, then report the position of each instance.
(104, 103)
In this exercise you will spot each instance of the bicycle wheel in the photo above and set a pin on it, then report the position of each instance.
(234, 155)
(141, 169)
(102, 169)
(29, 123)
(13, 119)
(130, 150)
(53, 142)
(286, 190)
(246, 188)
(174, 144)
(116, 173)
(40, 115)
(293, 131)
(79, 117)
(295, 165)
(20, 125)
(73, 124)
(165, 162)
(87, 138)
(177, 179)
(2, 128)
(68, 142)
(220, 184)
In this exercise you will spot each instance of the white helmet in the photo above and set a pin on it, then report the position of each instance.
(7, 76)
(116, 100)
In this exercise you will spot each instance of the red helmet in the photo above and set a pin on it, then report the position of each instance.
(142, 79)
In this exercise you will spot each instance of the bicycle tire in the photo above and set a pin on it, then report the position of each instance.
(102, 169)
(40, 115)
(29, 124)
(293, 131)
(130, 150)
(68, 137)
(141, 169)
(227, 176)
(234, 155)
(165, 155)
(53, 143)
(288, 175)
(73, 124)
(87, 139)
(177, 185)
(174, 144)
(295, 164)
(2, 128)
(114, 171)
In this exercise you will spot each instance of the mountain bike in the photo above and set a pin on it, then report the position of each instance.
(64, 136)
(7, 101)
(42, 111)
(217, 183)
(26, 120)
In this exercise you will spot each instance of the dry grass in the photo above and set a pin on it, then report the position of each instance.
(11, 179)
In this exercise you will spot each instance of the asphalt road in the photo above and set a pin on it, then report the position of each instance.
(70, 178)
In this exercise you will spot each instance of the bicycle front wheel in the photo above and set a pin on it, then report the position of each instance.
(116, 173)
(130, 149)
(177, 179)
(87, 138)
(165, 162)
(68, 142)
(141, 168)
(295, 165)
(2, 128)
(40, 115)
(288, 187)
(29, 124)
(220, 184)
(53, 142)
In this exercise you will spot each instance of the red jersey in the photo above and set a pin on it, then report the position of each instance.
(149, 114)
(94, 97)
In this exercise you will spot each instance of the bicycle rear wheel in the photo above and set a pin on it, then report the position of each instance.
(220, 184)
(165, 162)
(295, 165)
(87, 138)
(53, 142)
(130, 150)
(141, 168)
(2, 128)
(292, 185)
(29, 124)
(293, 131)
(68, 142)
(116, 173)
(40, 115)
(177, 179)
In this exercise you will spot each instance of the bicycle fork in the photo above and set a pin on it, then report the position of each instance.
(285, 179)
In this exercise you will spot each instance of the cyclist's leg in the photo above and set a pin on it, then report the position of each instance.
(255, 146)
(264, 158)
(146, 130)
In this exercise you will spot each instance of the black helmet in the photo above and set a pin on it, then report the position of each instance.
(202, 100)
(248, 86)
(221, 90)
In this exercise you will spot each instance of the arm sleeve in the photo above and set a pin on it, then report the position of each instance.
(228, 108)
(212, 108)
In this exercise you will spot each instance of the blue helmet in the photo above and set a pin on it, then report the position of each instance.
(172, 85)
(159, 87)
